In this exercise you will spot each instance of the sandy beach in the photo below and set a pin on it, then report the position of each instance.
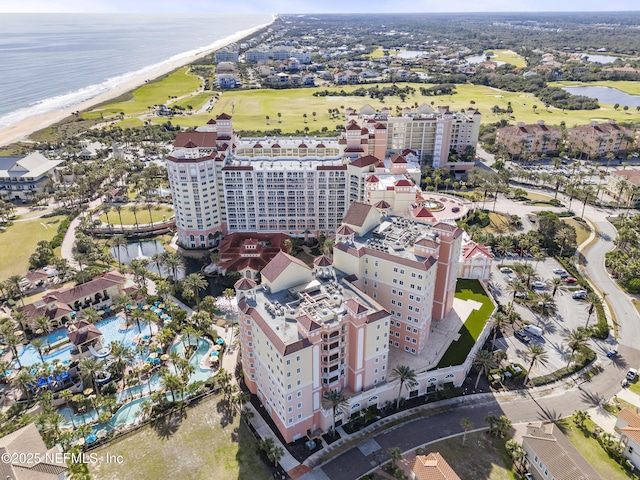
(23, 129)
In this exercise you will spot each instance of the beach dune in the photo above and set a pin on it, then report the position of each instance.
(21, 130)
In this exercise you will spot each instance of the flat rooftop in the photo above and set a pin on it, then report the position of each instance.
(397, 235)
(322, 299)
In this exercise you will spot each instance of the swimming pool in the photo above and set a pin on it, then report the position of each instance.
(109, 327)
(56, 336)
(200, 374)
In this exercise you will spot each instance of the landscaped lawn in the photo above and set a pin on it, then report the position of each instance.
(19, 242)
(176, 84)
(197, 100)
(198, 447)
(470, 331)
(510, 57)
(158, 212)
(593, 452)
(582, 233)
(481, 457)
(538, 197)
(498, 224)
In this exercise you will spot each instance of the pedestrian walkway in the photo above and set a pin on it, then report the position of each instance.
(629, 396)
(287, 462)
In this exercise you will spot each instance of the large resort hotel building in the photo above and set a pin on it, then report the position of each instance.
(303, 186)
(307, 331)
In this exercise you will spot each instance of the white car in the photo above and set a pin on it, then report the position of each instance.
(506, 270)
(538, 284)
(632, 374)
(580, 294)
(559, 271)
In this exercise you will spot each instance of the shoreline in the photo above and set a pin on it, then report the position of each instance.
(21, 130)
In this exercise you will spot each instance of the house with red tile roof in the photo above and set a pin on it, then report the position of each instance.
(628, 426)
(475, 262)
(432, 467)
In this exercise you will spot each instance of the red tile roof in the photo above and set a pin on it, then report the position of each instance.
(83, 332)
(279, 264)
(345, 230)
(398, 159)
(323, 261)
(382, 204)
(372, 179)
(365, 161)
(403, 182)
(433, 467)
(197, 139)
(472, 249)
(357, 214)
(244, 284)
(223, 116)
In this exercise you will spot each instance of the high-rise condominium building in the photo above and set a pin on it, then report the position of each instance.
(303, 186)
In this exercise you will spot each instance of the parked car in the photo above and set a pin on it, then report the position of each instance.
(571, 280)
(533, 330)
(523, 295)
(538, 284)
(632, 374)
(522, 336)
(559, 271)
(580, 294)
(506, 270)
(612, 353)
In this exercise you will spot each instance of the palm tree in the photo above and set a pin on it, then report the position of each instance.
(556, 283)
(466, 425)
(172, 382)
(118, 241)
(149, 206)
(576, 340)
(195, 282)
(42, 322)
(498, 426)
(173, 261)
(67, 395)
(275, 454)
(163, 288)
(499, 320)
(38, 343)
(134, 210)
(406, 376)
(485, 361)
(537, 354)
(396, 455)
(517, 453)
(594, 301)
(336, 400)
(89, 367)
(158, 259)
(23, 380)
(90, 315)
(119, 210)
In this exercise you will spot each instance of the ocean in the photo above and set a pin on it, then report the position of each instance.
(49, 62)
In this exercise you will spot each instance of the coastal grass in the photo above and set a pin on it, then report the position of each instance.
(538, 197)
(19, 241)
(158, 212)
(204, 443)
(196, 100)
(591, 450)
(470, 331)
(177, 84)
(481, 456)
(129, 123)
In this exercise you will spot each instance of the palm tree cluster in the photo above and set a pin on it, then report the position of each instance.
(624, 262)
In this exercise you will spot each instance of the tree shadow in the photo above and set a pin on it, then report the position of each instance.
(226, 411)
(593, 398)
(548, 414)
(169, 424)
(619, 362)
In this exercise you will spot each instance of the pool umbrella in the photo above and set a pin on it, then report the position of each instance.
(215, 354)
(80, 441)
(220, 341)
(88, 391)
(39, 331)
(91, 438)
(19, 333)
(161, 305)
(156, 361)
(150, 359)
(42, 382)
(217, 347)
(164, 357)
(145, 307)
(101, 433)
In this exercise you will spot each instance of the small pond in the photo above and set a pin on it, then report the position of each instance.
(606, 95)
(599, 58)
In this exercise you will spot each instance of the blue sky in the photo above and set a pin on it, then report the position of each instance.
(306, 6)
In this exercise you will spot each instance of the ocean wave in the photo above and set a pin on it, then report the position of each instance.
(76, 97)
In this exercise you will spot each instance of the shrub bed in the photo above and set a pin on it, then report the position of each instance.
(586, 357)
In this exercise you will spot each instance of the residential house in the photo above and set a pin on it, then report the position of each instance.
(432, 467)
(551, 455)
(628, 426)
(22, 177)
(26, 457)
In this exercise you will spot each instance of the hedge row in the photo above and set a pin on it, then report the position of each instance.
(62, 230)
(586, 358)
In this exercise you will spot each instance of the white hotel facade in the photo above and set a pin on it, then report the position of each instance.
(301, 186)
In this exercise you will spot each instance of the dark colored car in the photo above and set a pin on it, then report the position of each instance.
(522, 336)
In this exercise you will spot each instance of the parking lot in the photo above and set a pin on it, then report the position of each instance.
(569, 314)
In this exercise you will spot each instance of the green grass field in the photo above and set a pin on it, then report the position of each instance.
(538, 197)
(582, 233)
(128, 218)
(593, 452)
(205, 444)
(470, 331)
(498, 224)
(19, 242)
(510, 57)
(482, 456)
(197, 100)
(176, 84)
